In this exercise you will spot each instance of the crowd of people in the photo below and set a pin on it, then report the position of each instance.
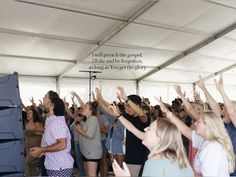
(184, 138)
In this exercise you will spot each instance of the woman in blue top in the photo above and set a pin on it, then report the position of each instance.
(167, 156)
(115, 137)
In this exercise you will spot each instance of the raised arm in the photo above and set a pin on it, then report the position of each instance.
(23, 106)
(74, 104)
(35, 107)
(184, 129)
(137, 109)
(197, 97)
(67, 109)
(211, 101)
(33, 103)
(103, 103)
(99, 98)
(186, 103)
(82, 104)
(229, 105)
(127, 124)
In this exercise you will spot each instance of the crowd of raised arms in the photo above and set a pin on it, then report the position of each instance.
(131, 137)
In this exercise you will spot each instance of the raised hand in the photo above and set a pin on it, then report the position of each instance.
(178, 90)
(114, 109)
(121, 93)
(64, 99)
(118, 171)
(73, 98)
(162, 105)
(219, 84)
(74, 94)
(40, 102)
(98, 94)
(32, 100)
(184, 93)
(201, 83)
(196, 95)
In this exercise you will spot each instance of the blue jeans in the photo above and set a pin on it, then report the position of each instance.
(79, 160)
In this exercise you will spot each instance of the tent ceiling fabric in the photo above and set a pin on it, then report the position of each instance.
(58, 38)
(113, 9)
(37, 67)
(173, 75)
(200, 64)
(40, 47)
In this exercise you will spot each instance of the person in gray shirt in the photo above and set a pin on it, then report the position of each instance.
(90, 139)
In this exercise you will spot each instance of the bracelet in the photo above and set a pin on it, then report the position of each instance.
(118, 116)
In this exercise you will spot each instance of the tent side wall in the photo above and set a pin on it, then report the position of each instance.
(38, 86)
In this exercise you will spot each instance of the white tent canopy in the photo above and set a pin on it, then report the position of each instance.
(48, 42)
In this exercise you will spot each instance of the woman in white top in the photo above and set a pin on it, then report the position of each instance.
(167, 156)
(215, 155)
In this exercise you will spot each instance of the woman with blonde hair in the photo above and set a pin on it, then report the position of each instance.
(215, 155)
(167, 156)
